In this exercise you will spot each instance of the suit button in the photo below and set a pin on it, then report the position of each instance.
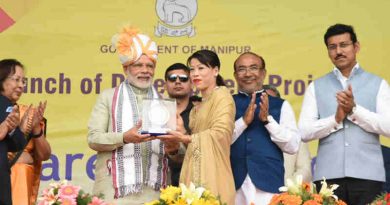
(346, 144)
(249, 140)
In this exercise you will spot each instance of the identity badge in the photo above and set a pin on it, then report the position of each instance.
(9, 109)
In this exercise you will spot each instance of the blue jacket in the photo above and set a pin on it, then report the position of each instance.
(253, 152)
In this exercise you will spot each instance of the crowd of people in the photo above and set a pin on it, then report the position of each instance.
(241, 147)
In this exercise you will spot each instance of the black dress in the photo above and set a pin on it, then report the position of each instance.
(12, 142)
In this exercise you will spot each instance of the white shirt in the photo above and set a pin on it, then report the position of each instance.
(312, 127)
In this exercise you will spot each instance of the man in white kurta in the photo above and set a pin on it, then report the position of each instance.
(131, 167)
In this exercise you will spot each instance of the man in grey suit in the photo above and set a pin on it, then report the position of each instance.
(347, 109)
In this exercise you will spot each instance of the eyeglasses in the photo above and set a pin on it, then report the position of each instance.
(183, 78)
(251, 69)
(19, 80)
(342, 45)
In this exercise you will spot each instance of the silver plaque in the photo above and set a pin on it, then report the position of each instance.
(158, 116)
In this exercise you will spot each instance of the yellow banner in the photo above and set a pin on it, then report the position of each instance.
(65, 46)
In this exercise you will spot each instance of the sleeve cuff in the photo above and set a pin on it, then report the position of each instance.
(240, 125)
(352, 117)
(336, 126)
(271, 122)
(118, 139)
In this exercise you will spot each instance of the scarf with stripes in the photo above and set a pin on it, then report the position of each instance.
(127, 163)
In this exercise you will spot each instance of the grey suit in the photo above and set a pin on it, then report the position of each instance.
(351, 151)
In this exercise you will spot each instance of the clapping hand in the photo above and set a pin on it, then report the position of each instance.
(39, 112)
(10, 123)
(250, 111)
(26, 122)
(346, 102)
(13, 119)
(263, 114)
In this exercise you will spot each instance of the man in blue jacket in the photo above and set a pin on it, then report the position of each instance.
(265, 128)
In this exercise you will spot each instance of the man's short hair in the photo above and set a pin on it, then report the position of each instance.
(253, 54)
(338, 29)
(176, 66)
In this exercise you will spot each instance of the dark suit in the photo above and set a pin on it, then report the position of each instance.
(12, 143)
(254, 153)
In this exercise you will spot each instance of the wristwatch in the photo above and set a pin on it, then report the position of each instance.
(32, 135)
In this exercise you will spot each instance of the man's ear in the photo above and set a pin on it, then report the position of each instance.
(357, 46)
(265, 71)
(235, 75)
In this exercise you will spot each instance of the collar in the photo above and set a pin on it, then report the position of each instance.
(244, 93)
(340, 76)
(5, 99)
